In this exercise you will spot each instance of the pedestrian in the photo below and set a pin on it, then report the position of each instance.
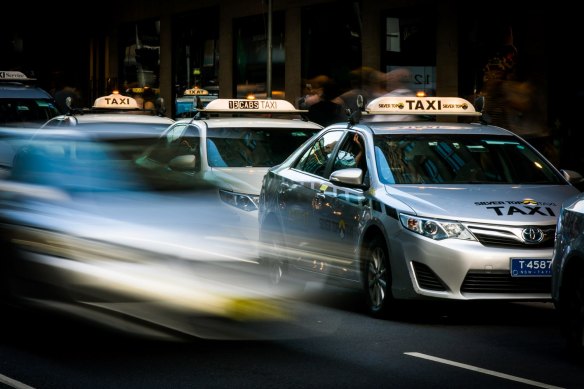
(67, 97)
(398, 84)
(318, 101)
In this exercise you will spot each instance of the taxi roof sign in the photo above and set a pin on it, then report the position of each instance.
(250, 106)
(13, 75)
(196, 91)
(411, 105)
(115, 101)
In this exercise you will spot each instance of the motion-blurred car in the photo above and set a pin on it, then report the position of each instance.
(415, 210)
(568, 273)
(85, 231)
(113, 117)
(232, 153)
(23, 104)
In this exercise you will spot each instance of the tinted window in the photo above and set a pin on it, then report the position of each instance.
(26, 112)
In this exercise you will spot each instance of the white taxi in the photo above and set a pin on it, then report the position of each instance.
(192, 100)
(23, 104)
(233, 153)
(415, 210)
(116, 117)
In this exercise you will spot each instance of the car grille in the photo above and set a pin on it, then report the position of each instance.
(501, 282)
(426, 278)
(510, 236)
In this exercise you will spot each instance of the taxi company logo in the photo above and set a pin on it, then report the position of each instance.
(244, 105)
(529, 202)
(532, 235)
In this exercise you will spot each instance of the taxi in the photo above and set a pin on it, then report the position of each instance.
(21, 103)
(192, 100)
(115, 117)
(114, 114)
(231, 143)
(442, 207)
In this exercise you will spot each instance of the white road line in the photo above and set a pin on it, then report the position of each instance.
(13, 383)
(484, 371)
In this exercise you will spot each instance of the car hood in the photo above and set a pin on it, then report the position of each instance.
(241, 180)
(501, 203)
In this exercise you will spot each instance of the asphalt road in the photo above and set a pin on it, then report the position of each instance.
(468, 345)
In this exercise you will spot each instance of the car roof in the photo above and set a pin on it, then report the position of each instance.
(121, 118)
(381, 128)
(252, 122)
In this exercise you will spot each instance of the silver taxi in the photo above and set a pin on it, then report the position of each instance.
(415, 210)
(232, 153)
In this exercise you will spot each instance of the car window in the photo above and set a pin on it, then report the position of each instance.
(181, 139)
(23, 112)
(417, 159)
(253, 147)
(315, 159)
(350, 153)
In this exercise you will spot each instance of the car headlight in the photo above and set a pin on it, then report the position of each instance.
(435, 229)
(240, 200)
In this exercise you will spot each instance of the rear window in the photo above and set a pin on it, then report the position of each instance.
(15, 112)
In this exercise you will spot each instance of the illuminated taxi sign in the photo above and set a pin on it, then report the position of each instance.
(196, 92)
(115, 101)
(410, 105)
(250, 106)
(13, 75)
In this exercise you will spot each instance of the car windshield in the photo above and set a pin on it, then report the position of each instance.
(255, 147)
(460, 159)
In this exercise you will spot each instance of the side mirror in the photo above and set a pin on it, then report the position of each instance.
(350, 177)
(573, 177)
(183, 163)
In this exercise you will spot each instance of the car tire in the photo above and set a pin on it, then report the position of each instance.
(275, 263)
(572, 312)
(377, 278)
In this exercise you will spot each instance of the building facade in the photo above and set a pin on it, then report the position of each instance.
(508, 53)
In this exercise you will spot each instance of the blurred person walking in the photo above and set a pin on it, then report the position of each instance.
(398, 83)
(67, 97)
(365, 81)
(318, 101)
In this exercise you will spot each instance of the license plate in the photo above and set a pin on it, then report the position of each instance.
(531, 267)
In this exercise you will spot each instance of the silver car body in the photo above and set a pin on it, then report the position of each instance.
(328, 221)
(217, 144)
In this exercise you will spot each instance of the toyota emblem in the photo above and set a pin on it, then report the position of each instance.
(532, 235)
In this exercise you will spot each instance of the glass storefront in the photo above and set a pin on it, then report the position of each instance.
(250, 67)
